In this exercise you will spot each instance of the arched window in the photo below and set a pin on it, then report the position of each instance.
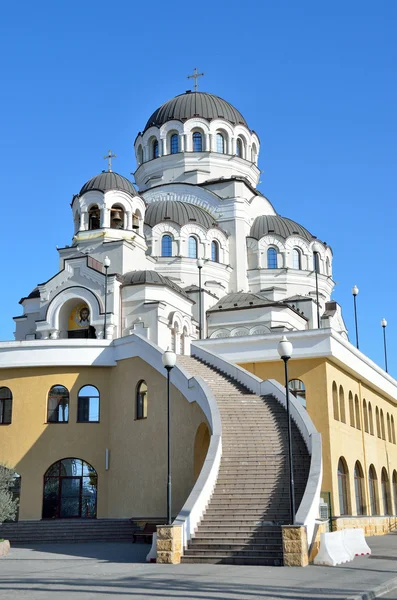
(197, 142)
(371, 419)
(316, 262)
(335, 401)
(192, 251)
(240, 148)
(254, 153)
(342, 487)
(296, 259)
(393, 435)
(378, 432)
(214, 251)
(141, 400)
(382, 425)
(166, 245)
(140, 155)
(220, 143)
(342, 410)
(155, 149)
(385, 492)
(365, 411)
(5, 406)
(351, 409)
(357, 411)
(174, 143)
(117, 217)
(395, 491)
(70, 490)
(94, 218)
(389, 429)
(58, 405)
(359, 488)
(183, 341)
(297, 387)
(88, 405)
(175, 333)
(328, 266)
(373, 490)
(272, 258)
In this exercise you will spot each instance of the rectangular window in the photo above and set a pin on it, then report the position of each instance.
(5, 411)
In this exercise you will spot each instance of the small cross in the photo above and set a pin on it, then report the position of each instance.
(109, 157)
(195, 76)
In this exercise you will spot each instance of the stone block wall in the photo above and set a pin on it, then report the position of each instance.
(371, 525)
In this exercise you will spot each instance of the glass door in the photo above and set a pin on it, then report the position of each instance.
(70, 497)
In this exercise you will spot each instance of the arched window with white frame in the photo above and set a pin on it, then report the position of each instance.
(214, 251)
(272, 258)
(166, 245)
(197, 141)
(192, 249)
(296, 259)
(155, 149)
(174, 143)
(254, 153)
(220, 143)
(140, 155)
(240, 148)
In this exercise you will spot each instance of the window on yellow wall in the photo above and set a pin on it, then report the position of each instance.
(389, 428)
(365, 411)
(342, 409)
(373, 490)
(378, 433)
(385, 492)
(88, 405)
(351, 409)
(141, 400)
(5, 406)
(395, 491)
(335, 401)
(382, 425)
(371, 419)
(359, 488)
(343, 487)
(357, 411)
(393, 433)
(58, 405)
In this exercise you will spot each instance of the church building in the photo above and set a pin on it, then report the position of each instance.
(194, 258)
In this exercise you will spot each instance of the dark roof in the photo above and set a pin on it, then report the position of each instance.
(241, 300)
(179, 212)
(195, 104)
(108, 181)
(279, 226)
(151, 278)
(33, 294)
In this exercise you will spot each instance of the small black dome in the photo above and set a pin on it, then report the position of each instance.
(279, 226)
(108, 181)
(195, 104)
(178, 212)
(150, 278)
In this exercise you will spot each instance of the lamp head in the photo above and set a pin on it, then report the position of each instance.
(169, 359)
(106, 262)
(355, 290)
(383, 323)
(200, 263)
(284, 348)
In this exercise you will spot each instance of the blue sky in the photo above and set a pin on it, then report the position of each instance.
(315, 80)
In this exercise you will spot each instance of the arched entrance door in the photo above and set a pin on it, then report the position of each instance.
(70, 490)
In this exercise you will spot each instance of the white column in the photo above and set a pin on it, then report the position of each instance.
(84, 220)
(129, 220)
(105, 217)
(182, 143)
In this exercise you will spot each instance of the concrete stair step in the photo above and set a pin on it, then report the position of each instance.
(226, 560)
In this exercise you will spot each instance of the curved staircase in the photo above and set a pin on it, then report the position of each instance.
(250, 502)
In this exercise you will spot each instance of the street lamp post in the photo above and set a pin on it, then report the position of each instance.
(169, 360)
(315, 255)
(200, 263)
(384, 325)
(106, 264)
(284, 349)
(355, 292)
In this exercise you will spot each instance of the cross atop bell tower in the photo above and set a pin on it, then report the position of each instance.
(195, 76)
(109, 157)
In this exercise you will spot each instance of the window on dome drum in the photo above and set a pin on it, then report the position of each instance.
(239, 148)
(297, 387)
(316, 262)
(197, 142)
(141, 400)
(342, 487)
(359, 488)
(385, 492)
(214, 251)
(5, 406)
(70, 490)
(373, 490)
(58, 405)
(254, 153)
(88, 405)
(174, 143)
(94, 218)
(155, 149)
(140, 155)
(296, 259)
(117, 217)
(271, 258)
(192, 247)
(220, 143)
(166, 245)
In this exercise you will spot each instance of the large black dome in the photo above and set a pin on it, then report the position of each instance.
(108, 181)
(178, 212)
(280, 226)
(195, 104)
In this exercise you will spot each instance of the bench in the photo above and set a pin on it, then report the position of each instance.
(145, 534)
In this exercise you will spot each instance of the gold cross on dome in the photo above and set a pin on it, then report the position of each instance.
(195, 76)
(109, 157)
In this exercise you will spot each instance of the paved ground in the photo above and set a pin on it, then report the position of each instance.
(117, 571)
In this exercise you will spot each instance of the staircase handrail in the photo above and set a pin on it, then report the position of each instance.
(308, 508)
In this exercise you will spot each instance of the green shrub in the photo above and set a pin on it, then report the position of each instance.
(8, 506)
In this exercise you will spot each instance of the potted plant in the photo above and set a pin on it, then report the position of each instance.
(8, 506)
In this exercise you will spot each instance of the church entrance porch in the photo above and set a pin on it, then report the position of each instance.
(70, 490)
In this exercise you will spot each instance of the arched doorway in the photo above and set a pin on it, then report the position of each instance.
(70, 490)
(201, 444)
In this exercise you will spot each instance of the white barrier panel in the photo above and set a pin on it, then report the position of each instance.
(332, 550)
(355, 542)
(152, 556)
